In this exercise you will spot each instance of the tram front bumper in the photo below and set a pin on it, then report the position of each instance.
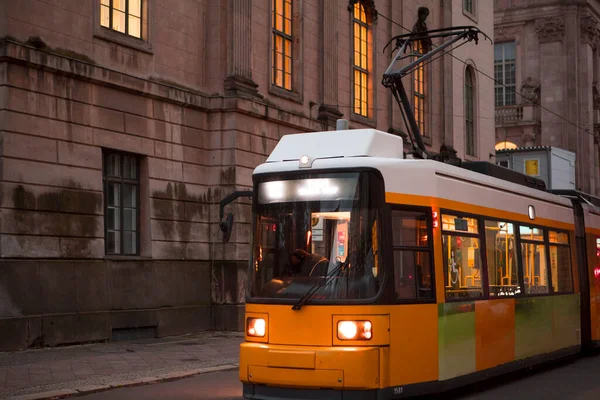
(307, 368)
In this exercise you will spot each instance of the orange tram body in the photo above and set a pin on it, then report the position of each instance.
(414, 277)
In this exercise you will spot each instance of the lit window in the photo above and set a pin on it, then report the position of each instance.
(462, 258)
(282, 43)
(560, 262)
(533, 257)
(123, 16)
(121, 194)
(502, 260)
(469, 112)
(419, 91)
(504, 74)
(361, 101)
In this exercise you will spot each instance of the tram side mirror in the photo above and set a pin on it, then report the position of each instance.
(226, 227)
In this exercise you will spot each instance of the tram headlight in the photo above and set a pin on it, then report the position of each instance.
(355, 330)
(256, 327)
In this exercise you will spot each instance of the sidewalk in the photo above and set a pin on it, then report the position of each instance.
(64, 371)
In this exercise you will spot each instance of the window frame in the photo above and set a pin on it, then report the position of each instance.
(363, 72)
(285, 38)
(143, 44)
(429, 248)
(504, 86)
(485, 278)
(472, 13)
(420, 97)
(482, 246)
(564, 245)
(470, 139)
(111, 9)
(122, 181)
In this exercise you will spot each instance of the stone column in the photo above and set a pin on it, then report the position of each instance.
(328, 109)
(239, 53)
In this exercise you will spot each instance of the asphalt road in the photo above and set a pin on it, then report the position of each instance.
(575, 380)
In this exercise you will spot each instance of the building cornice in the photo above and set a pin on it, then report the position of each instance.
(590, 30)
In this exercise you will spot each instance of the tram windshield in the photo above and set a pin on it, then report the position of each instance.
(317, 230)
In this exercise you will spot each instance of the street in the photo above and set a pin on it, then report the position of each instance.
(577, 380)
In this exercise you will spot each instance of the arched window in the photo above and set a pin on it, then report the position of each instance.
(360, 60)
(419, 91)
(469, 111)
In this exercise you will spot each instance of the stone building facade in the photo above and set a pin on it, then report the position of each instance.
(547, 51)
(124, 122)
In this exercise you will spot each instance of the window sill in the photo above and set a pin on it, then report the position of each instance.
(286, 94)
(472, 17)
(362, 120)
(126, 258)
(123, 39)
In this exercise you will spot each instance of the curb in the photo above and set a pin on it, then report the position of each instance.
(83, 390)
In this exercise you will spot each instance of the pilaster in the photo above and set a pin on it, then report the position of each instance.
(239, 59)
(328, 110)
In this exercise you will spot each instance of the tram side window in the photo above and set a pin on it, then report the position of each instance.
(412, 255)
(560, 262)
(502, 260)
(533, 258)
(462, 257)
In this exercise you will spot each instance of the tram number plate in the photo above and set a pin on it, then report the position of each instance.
(398, 390)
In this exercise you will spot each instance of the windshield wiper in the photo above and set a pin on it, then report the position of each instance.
(328, 279)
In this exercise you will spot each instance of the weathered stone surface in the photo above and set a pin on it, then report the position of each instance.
(58, 288)
(24, 222)
(176, 321)
(28, 147)
(81, 247)
(91, 286)
(31, 172)
(133, 319)
(79, 155)
(20, 289)
(29, 246)
(228, 317)
(80, 328)
(131, 285)
(179, 231)
(120, 141)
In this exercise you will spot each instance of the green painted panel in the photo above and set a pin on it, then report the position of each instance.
(534, 322)
(566, 321)
(456, 336)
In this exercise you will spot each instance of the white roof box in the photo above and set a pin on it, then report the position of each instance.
(334, 144)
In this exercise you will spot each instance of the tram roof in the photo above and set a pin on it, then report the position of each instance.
(370, 148)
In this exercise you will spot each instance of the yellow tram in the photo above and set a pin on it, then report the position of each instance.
(378, 277)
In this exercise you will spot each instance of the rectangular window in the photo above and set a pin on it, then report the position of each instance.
(419, 91)
(560, 262)
(468, 6)
(502, 260)
(282, 43)
(123, 16)
(533, 259)
(462, 258)
(504, 74)
(469, 113)
(412, 255)
(121, 194)
(360, 60)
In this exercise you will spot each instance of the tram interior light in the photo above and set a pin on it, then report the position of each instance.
(256, 327)
(355, 330)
